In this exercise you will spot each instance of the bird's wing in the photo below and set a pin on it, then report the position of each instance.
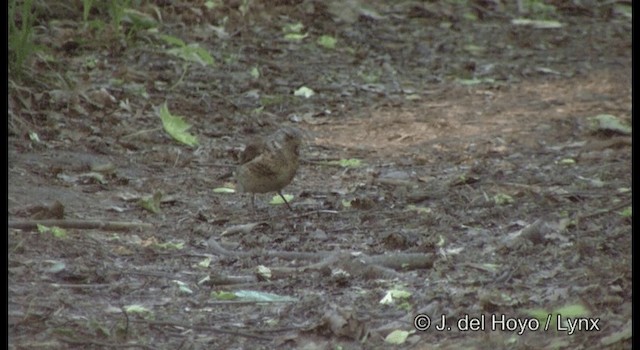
(252, 150)
(263, 165)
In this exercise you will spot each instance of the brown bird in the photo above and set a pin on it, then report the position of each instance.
(269, 165)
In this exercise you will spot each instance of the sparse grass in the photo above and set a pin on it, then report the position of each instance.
(86, 9)
(124, 20)
(21, 45)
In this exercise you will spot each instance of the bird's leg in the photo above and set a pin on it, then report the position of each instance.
(253, 205)
(285, 201)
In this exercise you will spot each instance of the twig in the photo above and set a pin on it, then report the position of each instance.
(356, 264)
(140, 133)
(102, 344)
(80, 224)
(324, 211)
(204, 328)
(603, 211)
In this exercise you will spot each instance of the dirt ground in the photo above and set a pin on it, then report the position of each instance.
(483, 190)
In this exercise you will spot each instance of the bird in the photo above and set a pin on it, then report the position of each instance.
(268, 165)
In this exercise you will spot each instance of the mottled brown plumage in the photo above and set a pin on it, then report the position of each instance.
(269, 165)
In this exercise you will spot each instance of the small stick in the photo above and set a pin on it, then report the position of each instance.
(79, 224)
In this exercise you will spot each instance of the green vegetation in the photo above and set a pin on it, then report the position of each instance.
(123, 17)
(21, 45)
(176, 127)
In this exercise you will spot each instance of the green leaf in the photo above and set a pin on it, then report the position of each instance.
(184, 288)
(293, 27)
(54, 266)
(397, 337)
(395, 296)
(327, 41)
(244, 7)
(264, 273)
(624, 10)
(223, 295)
(151, 203)
(502, 199)
(470, 16)
(205, 263)
(138, 310)
(177, 127)
(193, 53)
(607, 122)
(567, 161)
(278, 200)
(295, 36)
(169, 245)
(400, 294)
(55, 231)
(252, 295)
(469, 82)
(304, 92)
(539, 314)
(475, 49)
(223, 190)
(210, 5)
(139, 19)
(33, 136)
(421, 210)
(42, 228)
(172, 40)
(626, 213)
(255, 73)
(574, 310)
(97, 177)
(539, 24)
(347, 163)
(58, 232)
